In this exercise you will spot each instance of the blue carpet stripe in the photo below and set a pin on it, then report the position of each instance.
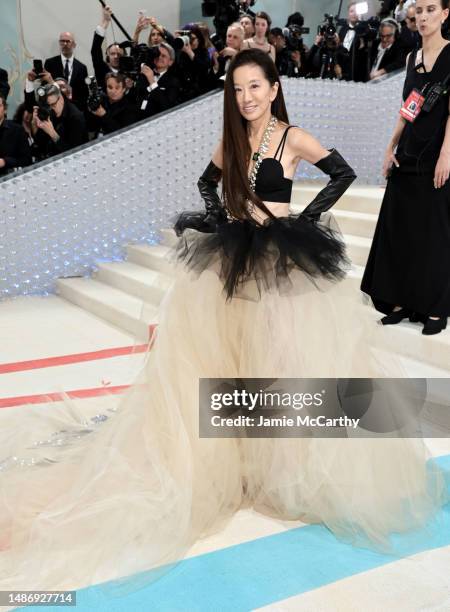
(266, 570)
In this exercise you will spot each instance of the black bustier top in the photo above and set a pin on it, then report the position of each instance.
(271, 184)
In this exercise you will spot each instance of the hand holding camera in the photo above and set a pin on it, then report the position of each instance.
(148, 73)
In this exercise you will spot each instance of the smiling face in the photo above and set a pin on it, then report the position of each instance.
(429, 16)
(387, 36)
(254, 93)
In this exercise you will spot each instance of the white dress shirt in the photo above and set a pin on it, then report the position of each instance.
(349, 38)
(64, 59)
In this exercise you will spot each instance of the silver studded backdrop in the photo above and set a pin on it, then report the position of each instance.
(62, 218)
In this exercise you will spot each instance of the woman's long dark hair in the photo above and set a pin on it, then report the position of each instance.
(236, 146)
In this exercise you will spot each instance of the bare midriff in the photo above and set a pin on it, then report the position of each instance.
(278, 209)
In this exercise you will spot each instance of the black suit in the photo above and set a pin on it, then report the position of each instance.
(101, 68)
(163, 97)
(357, 61)
(4, 85)
(393, 58)
(14, 146)
(410, 40)
(54, 65)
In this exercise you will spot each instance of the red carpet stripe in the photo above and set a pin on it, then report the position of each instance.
(9, 402)
(50, 362)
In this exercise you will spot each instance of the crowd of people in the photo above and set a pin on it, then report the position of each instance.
(64, 108)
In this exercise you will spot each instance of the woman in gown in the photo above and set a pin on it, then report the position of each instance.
(408, 270)
(257, 297)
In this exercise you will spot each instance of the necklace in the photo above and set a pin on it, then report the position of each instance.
(259, 155)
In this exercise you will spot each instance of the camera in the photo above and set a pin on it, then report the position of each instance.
(327, 29)
(95, 96)
(293, 36)
(43, 112)
(218, 43)
(368, 29)
(130, 65)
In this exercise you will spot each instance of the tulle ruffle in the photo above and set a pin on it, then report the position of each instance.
(265, 254)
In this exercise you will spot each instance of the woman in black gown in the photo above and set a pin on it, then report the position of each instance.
(408, 270)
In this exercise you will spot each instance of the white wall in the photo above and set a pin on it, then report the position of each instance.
(43, 20)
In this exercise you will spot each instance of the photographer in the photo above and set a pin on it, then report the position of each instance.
(57, 125)
(328, 58)
(163, 87)
(387, 54)
(113, 52)
(116, 111)
(223, 56)
(290, 63)
(15, 150)
(193, 63)
(227, 12)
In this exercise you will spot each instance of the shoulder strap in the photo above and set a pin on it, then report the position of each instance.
(282, 143)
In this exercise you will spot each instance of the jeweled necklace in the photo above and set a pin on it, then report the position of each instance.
(262, 150)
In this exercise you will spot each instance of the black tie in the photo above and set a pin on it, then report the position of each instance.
(66, 70)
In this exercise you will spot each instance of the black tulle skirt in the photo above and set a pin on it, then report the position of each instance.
(263, 254)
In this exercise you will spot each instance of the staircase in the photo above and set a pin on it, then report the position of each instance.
(127, 294)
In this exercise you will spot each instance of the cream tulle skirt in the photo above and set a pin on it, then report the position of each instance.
(137, 491)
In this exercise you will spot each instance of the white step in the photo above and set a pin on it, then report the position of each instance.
(168, 237)
(411, 342)
(117, 307)
(156, 257)
(349, 222)
(357, 199)
(140, 281)
(358, 248)
(356, 223)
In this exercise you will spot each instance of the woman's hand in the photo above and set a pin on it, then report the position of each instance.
(188, 50)
(442, 170)
(389, 161)
(100, 112)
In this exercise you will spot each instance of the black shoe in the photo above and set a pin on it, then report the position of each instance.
(396, 316)
(434, 326)
(416, 317)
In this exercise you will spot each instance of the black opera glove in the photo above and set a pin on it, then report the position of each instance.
(342, 176)
(215, 214)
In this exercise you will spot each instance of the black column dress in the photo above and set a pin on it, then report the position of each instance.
(409, 261)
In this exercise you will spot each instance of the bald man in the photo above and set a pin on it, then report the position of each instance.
(66, 66)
